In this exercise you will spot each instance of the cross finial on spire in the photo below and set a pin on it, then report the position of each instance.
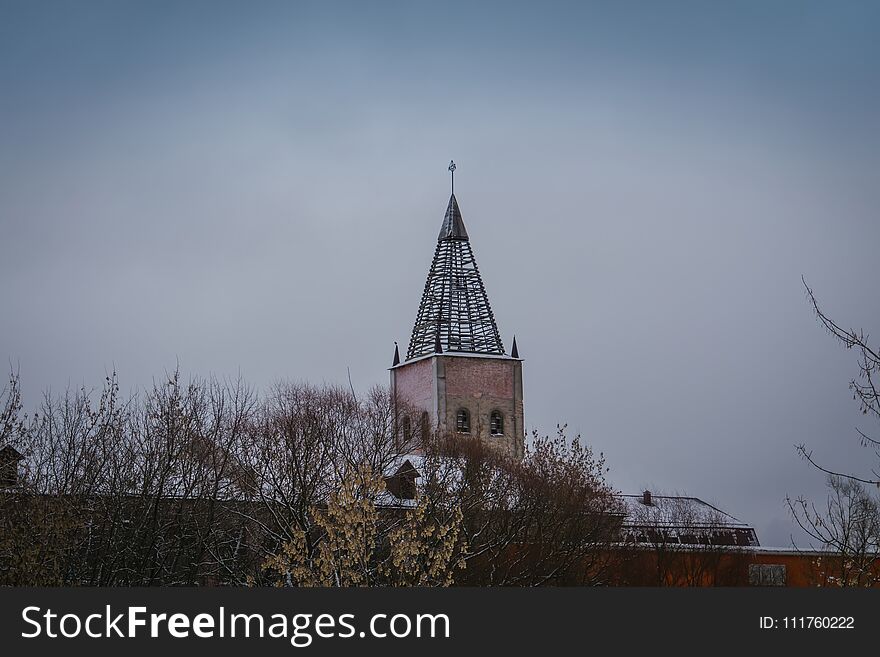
(452, 172)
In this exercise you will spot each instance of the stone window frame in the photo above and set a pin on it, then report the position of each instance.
(463, 421)
(496, 423)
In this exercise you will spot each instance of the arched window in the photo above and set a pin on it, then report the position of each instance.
(463, 421)
(496, 424)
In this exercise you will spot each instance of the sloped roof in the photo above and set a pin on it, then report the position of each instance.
(674, 510)
(9, 453)
(404, 463)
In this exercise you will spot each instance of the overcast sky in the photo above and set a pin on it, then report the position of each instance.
(258, 187)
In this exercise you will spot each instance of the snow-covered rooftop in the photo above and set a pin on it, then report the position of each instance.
(675, 510)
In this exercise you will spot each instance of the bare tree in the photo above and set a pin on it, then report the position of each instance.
(847, 530)
(296, 453)
(206, 482)
(126, 491)
(11, 420)
(864, 388)
(32, 532)
(547, 519)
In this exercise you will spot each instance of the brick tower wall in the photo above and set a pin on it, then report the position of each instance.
(413, 384)
(443, 384)
(483, 385)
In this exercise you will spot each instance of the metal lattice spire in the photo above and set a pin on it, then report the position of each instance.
(455, 310)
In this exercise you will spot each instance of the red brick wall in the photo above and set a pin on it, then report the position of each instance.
(646, 567)
(479, 385)
(466, 376)
(414, 383)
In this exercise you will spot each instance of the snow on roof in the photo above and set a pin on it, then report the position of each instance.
(672, 510)
(417, 461)
(458, 354)
(386, 499)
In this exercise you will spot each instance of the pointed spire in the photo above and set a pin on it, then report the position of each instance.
(396, 356)
(453, 225)
(514, 352)
(454, 315)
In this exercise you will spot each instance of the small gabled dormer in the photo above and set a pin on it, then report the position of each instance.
(402, 482)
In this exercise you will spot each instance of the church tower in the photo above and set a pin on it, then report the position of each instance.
(457, 375)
